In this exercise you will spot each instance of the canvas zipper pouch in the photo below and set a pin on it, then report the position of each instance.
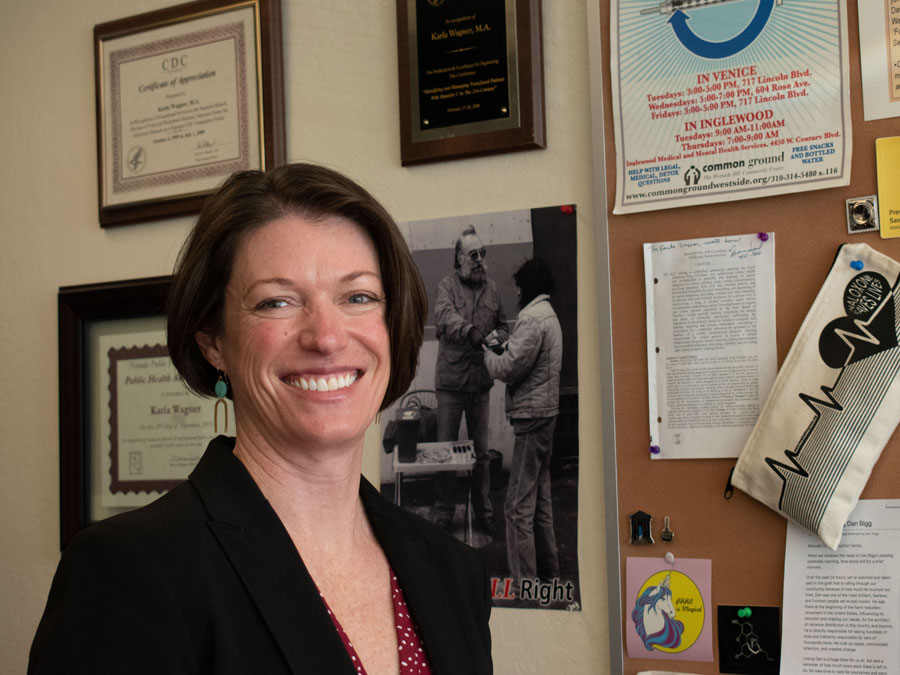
(835, 400)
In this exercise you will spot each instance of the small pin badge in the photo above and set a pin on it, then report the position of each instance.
(666, 534)
(640, 528)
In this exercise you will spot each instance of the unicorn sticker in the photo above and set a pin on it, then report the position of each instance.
(668, 617)
(654, 617)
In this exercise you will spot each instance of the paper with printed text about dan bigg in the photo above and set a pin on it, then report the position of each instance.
(711, 352)
(841, 609)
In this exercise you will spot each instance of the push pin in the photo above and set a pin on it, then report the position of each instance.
(762, 236)
(669, 558)
(640, 528)
(666, 534)
(857, 264)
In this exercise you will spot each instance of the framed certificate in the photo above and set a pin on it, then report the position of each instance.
(186, 96)
(129, 428)
(471, 78)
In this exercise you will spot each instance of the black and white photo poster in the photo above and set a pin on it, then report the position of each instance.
(485, 443)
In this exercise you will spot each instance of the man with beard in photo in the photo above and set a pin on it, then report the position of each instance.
(468, 313)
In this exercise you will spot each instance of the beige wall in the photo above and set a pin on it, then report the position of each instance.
(340, 62)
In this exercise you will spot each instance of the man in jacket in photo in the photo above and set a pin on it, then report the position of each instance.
(468, 312)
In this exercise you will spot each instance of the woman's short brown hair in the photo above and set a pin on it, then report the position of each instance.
(250, 199)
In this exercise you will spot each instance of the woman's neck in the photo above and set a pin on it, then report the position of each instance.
(314, 493)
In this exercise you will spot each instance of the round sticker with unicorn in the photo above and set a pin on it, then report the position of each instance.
(668, 612)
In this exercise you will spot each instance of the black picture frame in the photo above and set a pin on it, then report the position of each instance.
(77, 307)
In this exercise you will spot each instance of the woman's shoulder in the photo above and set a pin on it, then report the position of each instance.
(218, 487)
(150, 535)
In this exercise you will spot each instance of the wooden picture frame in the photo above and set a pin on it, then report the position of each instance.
(463, 86)
(185, 96)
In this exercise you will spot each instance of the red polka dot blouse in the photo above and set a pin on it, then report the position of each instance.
(413, 659)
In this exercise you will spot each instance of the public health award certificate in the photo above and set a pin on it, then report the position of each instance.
(727, 99)
(154, 430)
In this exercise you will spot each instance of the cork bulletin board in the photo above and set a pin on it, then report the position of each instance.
(743, 539)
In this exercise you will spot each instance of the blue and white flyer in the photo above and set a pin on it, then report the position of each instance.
(718, 100)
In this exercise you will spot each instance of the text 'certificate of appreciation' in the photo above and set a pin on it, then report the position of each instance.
(842, 608)
(711, 352)
(717, 100)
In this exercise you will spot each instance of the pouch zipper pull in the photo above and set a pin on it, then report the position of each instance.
(729, 488)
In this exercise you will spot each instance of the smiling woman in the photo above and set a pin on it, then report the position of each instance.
(297, 288)
(246, 202)
(304, 306)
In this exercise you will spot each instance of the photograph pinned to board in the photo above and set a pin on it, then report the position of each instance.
(669, 614)
(717, 101)
(749, 639)
(711, 351)
(490, 423)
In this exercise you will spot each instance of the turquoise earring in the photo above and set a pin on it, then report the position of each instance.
(221, 391)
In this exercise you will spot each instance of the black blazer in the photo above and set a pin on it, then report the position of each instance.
(207, 580)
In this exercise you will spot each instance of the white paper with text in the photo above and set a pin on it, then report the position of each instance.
(841, 608)
(711, 352)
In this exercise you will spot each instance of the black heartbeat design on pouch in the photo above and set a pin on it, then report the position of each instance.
(864, 345)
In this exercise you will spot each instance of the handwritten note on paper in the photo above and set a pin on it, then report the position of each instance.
(711, 353)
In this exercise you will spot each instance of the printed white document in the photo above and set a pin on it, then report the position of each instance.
(711, 354)
(841, 610)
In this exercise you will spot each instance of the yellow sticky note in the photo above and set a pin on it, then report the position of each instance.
(887, 163)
